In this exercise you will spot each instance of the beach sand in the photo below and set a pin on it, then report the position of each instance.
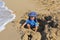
(20, 7)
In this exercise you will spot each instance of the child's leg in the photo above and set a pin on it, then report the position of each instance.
(36, 28)
(28, 25)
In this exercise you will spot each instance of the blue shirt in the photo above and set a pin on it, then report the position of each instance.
(32, 23)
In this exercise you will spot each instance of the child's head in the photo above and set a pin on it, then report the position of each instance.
(32, 15)
(32, 18)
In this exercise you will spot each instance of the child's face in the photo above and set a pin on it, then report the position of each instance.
(32, 18)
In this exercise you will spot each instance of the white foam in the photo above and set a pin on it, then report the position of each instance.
(2, 4)
(2, 27)
(6, 15)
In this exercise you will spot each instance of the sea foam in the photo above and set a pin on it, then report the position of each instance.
(6, 15)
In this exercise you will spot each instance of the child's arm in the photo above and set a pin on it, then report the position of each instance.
(36, 27)
(23, 25)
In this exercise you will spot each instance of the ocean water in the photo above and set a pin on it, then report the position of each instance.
(6, 15)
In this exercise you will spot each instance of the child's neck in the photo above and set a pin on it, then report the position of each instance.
(32, 20)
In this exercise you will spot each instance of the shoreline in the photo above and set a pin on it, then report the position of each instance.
(3, 26)
(2, 5)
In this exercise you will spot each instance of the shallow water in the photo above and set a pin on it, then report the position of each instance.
(6, 15)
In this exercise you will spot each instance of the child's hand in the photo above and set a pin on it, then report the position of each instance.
(36, 28)
(21, 27)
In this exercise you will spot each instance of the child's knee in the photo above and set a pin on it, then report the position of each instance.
(28, 25)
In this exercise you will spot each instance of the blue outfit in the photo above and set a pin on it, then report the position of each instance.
(32, 23)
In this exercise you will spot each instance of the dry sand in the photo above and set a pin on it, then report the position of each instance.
(20, 7)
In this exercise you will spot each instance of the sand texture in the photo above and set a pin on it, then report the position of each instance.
(21, 8)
